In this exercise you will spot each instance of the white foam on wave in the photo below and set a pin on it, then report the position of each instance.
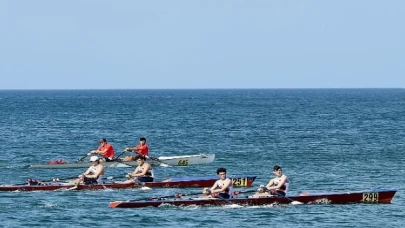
(50, 205)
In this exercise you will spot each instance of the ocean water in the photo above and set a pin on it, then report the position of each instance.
(325, 140)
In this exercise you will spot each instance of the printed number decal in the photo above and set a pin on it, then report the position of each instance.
(183, 162)
(371, 197)
(239, 182)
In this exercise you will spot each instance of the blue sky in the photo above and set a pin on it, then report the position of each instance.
(97, 44)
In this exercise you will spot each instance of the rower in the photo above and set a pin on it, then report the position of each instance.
(276, 186)
(94, 173)
(105, 149)
(141, 149)
(32, 182)
(142, 173)
(222, 188)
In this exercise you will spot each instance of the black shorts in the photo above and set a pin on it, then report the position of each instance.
(145, 179)
(107, 159)
(87, 180)
(277, 192)
(224, 195)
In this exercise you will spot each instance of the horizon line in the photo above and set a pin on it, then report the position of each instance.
(286, 88)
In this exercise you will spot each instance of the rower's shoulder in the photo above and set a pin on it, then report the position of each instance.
(285, 177)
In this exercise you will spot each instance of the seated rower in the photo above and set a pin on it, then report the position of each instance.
(94, 173)
(142, 173)
(222, 188)
(276, 186)
(32, 182)
(141, 149)
(105, 149)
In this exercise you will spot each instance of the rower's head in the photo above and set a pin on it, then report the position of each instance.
(142, 140)
(221, 172)
(103, 141)
(277, 170)
(95, 159)
(140, 159)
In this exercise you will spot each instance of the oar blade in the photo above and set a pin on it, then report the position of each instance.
(296, 203)
(145, 188)
(233, 205)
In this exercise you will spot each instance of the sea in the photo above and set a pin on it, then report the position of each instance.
(326, 140)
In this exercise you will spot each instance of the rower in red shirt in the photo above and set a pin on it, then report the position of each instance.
(105, 150)
(141, 149)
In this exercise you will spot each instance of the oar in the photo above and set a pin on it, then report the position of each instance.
(64, 178)
(81, 159)
(176, 195)
(158, 160)
(141, 184)
(123, 152)
(227, 201)
(248, 191)
(293, 202)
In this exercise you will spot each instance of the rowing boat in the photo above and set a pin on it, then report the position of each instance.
(184, 160)
(183, 182)
(373, 196)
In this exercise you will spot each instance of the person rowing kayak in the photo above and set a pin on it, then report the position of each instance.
(105, 149)
(142, 173)
(94, 173)
(222, 188)
(276, 186)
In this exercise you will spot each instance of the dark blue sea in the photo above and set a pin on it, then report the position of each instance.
(325, 140)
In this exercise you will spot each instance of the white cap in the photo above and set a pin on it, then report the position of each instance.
(93, 158)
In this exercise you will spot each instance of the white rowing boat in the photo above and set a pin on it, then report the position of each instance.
(185, 160)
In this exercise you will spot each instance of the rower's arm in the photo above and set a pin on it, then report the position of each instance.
(271, 182)
(87, 171)
(102, 151)
(134, 173)
(134, 149)
(224, 187)
(145, 170)
(214, 186)
(282, 181)
(95, 175)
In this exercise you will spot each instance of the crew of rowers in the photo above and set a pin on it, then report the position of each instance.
(222, 188)
(107, 153)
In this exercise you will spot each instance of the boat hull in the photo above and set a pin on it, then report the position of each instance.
(185, 160)
(184, 182)
(374, 196)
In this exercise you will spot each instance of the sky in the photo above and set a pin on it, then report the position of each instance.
(192, 44)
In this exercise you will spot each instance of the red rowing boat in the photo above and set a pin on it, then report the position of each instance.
(184, 182)
(374, 196)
